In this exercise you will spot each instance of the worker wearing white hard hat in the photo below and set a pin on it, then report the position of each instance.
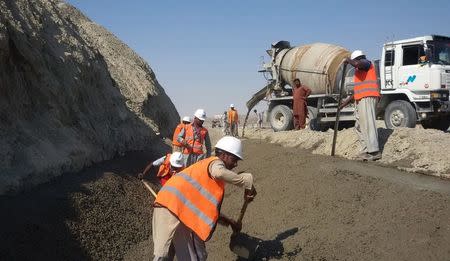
(194, 139)
(195, 193)
(177, 146)
(366, 93)
(233, 120)
(168, 166)
(186, 119)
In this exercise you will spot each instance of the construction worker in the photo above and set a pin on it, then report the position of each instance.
(168, 166)
(300, 108)
(226, 126)
(259, 117)
(366, 94)
(187, 209)
(176, 146)
(193, 137)
(233, 120)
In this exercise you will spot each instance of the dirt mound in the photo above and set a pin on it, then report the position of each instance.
(414, 150)
(71, 94)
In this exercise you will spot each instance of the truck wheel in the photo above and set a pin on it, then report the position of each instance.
(312, 121)
(281, 118)
(440, 124)
(400, 114)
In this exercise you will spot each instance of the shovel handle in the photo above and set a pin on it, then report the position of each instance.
(243, 209)
(149, 188)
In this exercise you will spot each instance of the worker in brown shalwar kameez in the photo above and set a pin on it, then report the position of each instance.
(300, 93)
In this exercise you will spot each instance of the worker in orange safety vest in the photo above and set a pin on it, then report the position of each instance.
(233, 120)
(366, 94)
(195, 140)
(187, 208)
(168, 166)
(176, 146)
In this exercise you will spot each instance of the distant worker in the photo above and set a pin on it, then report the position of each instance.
(187, 209)
(233, 120)
(259, 117)
(176, 146)
(193, 137)
(300, 108)
(226, 125)
(366, 94)
(168, 166)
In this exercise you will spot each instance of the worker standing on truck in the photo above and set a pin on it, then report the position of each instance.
(176, 146)
(187, 208)
(233, 120)
(193, 137)
(366, 94)
(300, 109)
(168, 166)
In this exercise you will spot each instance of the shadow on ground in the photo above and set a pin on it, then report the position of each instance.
(268, 249)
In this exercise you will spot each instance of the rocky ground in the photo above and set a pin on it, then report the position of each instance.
(309, 207)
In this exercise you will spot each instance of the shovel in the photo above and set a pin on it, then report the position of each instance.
(242, 244)
(149, 188)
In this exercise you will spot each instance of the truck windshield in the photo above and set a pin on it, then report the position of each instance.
(440, 52)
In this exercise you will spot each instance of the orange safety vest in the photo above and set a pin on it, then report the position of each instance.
(194, 141)
(194, 198)
(232, 116)
(164, 169)
(366, 84)
(175, 134)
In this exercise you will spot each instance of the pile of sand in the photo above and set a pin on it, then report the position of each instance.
(414, 150)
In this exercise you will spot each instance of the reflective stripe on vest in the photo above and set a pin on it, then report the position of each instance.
(175, 134)
(189, 205)
(164, 169)
(194, 197)
(196, 143)
(366, 84)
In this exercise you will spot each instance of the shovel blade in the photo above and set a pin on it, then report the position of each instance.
(243, 245)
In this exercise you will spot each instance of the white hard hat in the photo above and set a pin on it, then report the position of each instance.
(231, 145)
(200, 114)
(187, 118)
(176, 159)
(232, 105)
(356, 54)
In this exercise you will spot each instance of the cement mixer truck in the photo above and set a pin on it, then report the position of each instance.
(414, 79)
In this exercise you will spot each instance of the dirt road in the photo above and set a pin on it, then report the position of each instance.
(309, 207)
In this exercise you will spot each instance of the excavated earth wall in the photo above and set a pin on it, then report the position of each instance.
(71, 94)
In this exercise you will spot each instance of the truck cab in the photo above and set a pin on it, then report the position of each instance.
(415, 82)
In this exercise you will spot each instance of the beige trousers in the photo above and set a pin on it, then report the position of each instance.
(365, 124)
(168, 229)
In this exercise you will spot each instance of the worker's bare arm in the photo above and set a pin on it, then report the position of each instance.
(346, 102)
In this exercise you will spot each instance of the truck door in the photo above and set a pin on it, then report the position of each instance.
(387, 72)
(411, 73)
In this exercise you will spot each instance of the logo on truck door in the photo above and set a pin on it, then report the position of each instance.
(410, 79)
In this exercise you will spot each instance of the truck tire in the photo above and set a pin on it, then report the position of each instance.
(400, 114)
(281, 118)
(312, 121)
(439, 124)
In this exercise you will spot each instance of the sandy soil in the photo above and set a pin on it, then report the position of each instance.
(414, 150)
(309, 207)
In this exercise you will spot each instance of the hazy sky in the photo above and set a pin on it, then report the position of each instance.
(206, 54)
